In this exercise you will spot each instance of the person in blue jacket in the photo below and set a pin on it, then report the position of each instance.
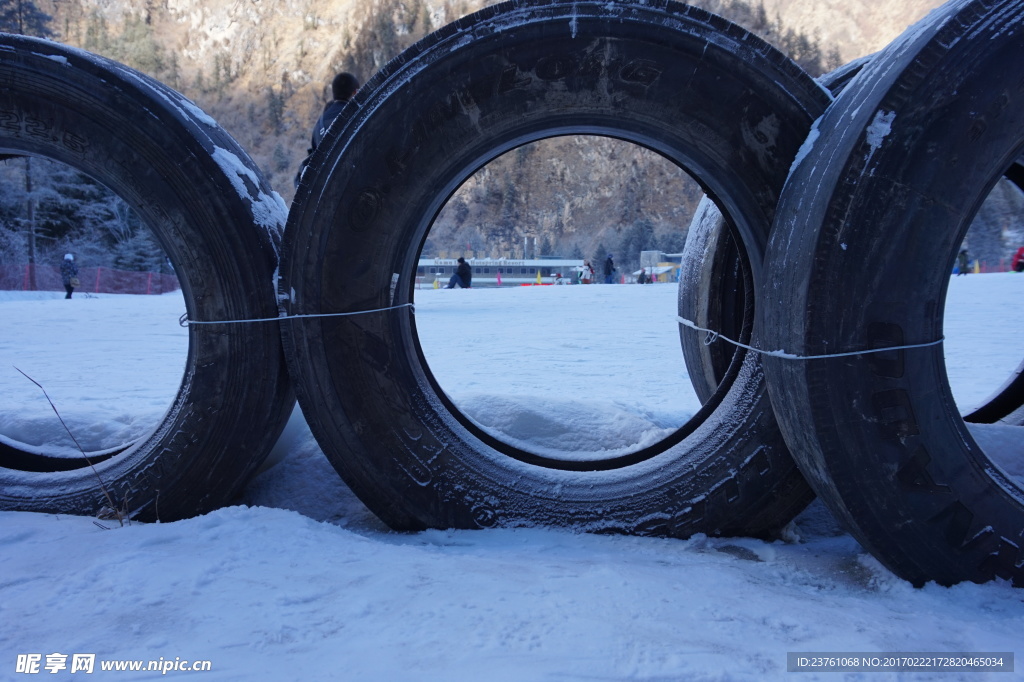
(962, 263)
(609, 269)
(343, 88)
(463, 275)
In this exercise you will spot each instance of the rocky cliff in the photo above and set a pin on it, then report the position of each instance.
(260, 67)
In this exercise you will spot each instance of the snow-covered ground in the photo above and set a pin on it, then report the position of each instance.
(300, 582)
(565, 371)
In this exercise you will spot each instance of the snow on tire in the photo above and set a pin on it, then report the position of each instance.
(219, 223)
(700, 91)
(860, 258)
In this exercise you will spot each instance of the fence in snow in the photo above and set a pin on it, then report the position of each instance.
(92, 280)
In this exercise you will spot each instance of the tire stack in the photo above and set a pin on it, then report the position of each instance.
(830, 226)
(867, 175)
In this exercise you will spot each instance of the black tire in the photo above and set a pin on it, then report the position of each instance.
(219, 223)
(1008, 399)
(715, 293)
(715, 289)
(508, 75)
(867, 234)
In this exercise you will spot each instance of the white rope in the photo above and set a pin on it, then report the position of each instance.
(713, 336)
(185, 322)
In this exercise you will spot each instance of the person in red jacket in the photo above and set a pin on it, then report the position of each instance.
(1018, 260)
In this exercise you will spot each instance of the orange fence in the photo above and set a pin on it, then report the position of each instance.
(93, 280)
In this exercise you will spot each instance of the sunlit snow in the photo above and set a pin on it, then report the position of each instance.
(300, 582)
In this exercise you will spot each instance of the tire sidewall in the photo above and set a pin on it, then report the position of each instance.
(218, 221)
(450, 106)
(906, 156)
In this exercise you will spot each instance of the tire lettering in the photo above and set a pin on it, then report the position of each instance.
(425, 127)
(454, 104)
(417, 465)
(365, 208)
(375, 352)
(484, 515)
(38, 128)
(10, 120)
(131, 178)
(642, 71)
(74, 143)
(976, 130)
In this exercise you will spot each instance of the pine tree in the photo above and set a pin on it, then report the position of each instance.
(24, 18)
(97, 34)
(638, 237)
(282, 160)
(275, 110)
(13, 244)
(545, 247)
(140, 252)
(13, 250)
(138, 47)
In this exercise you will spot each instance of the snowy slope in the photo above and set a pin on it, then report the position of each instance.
(300, 582)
